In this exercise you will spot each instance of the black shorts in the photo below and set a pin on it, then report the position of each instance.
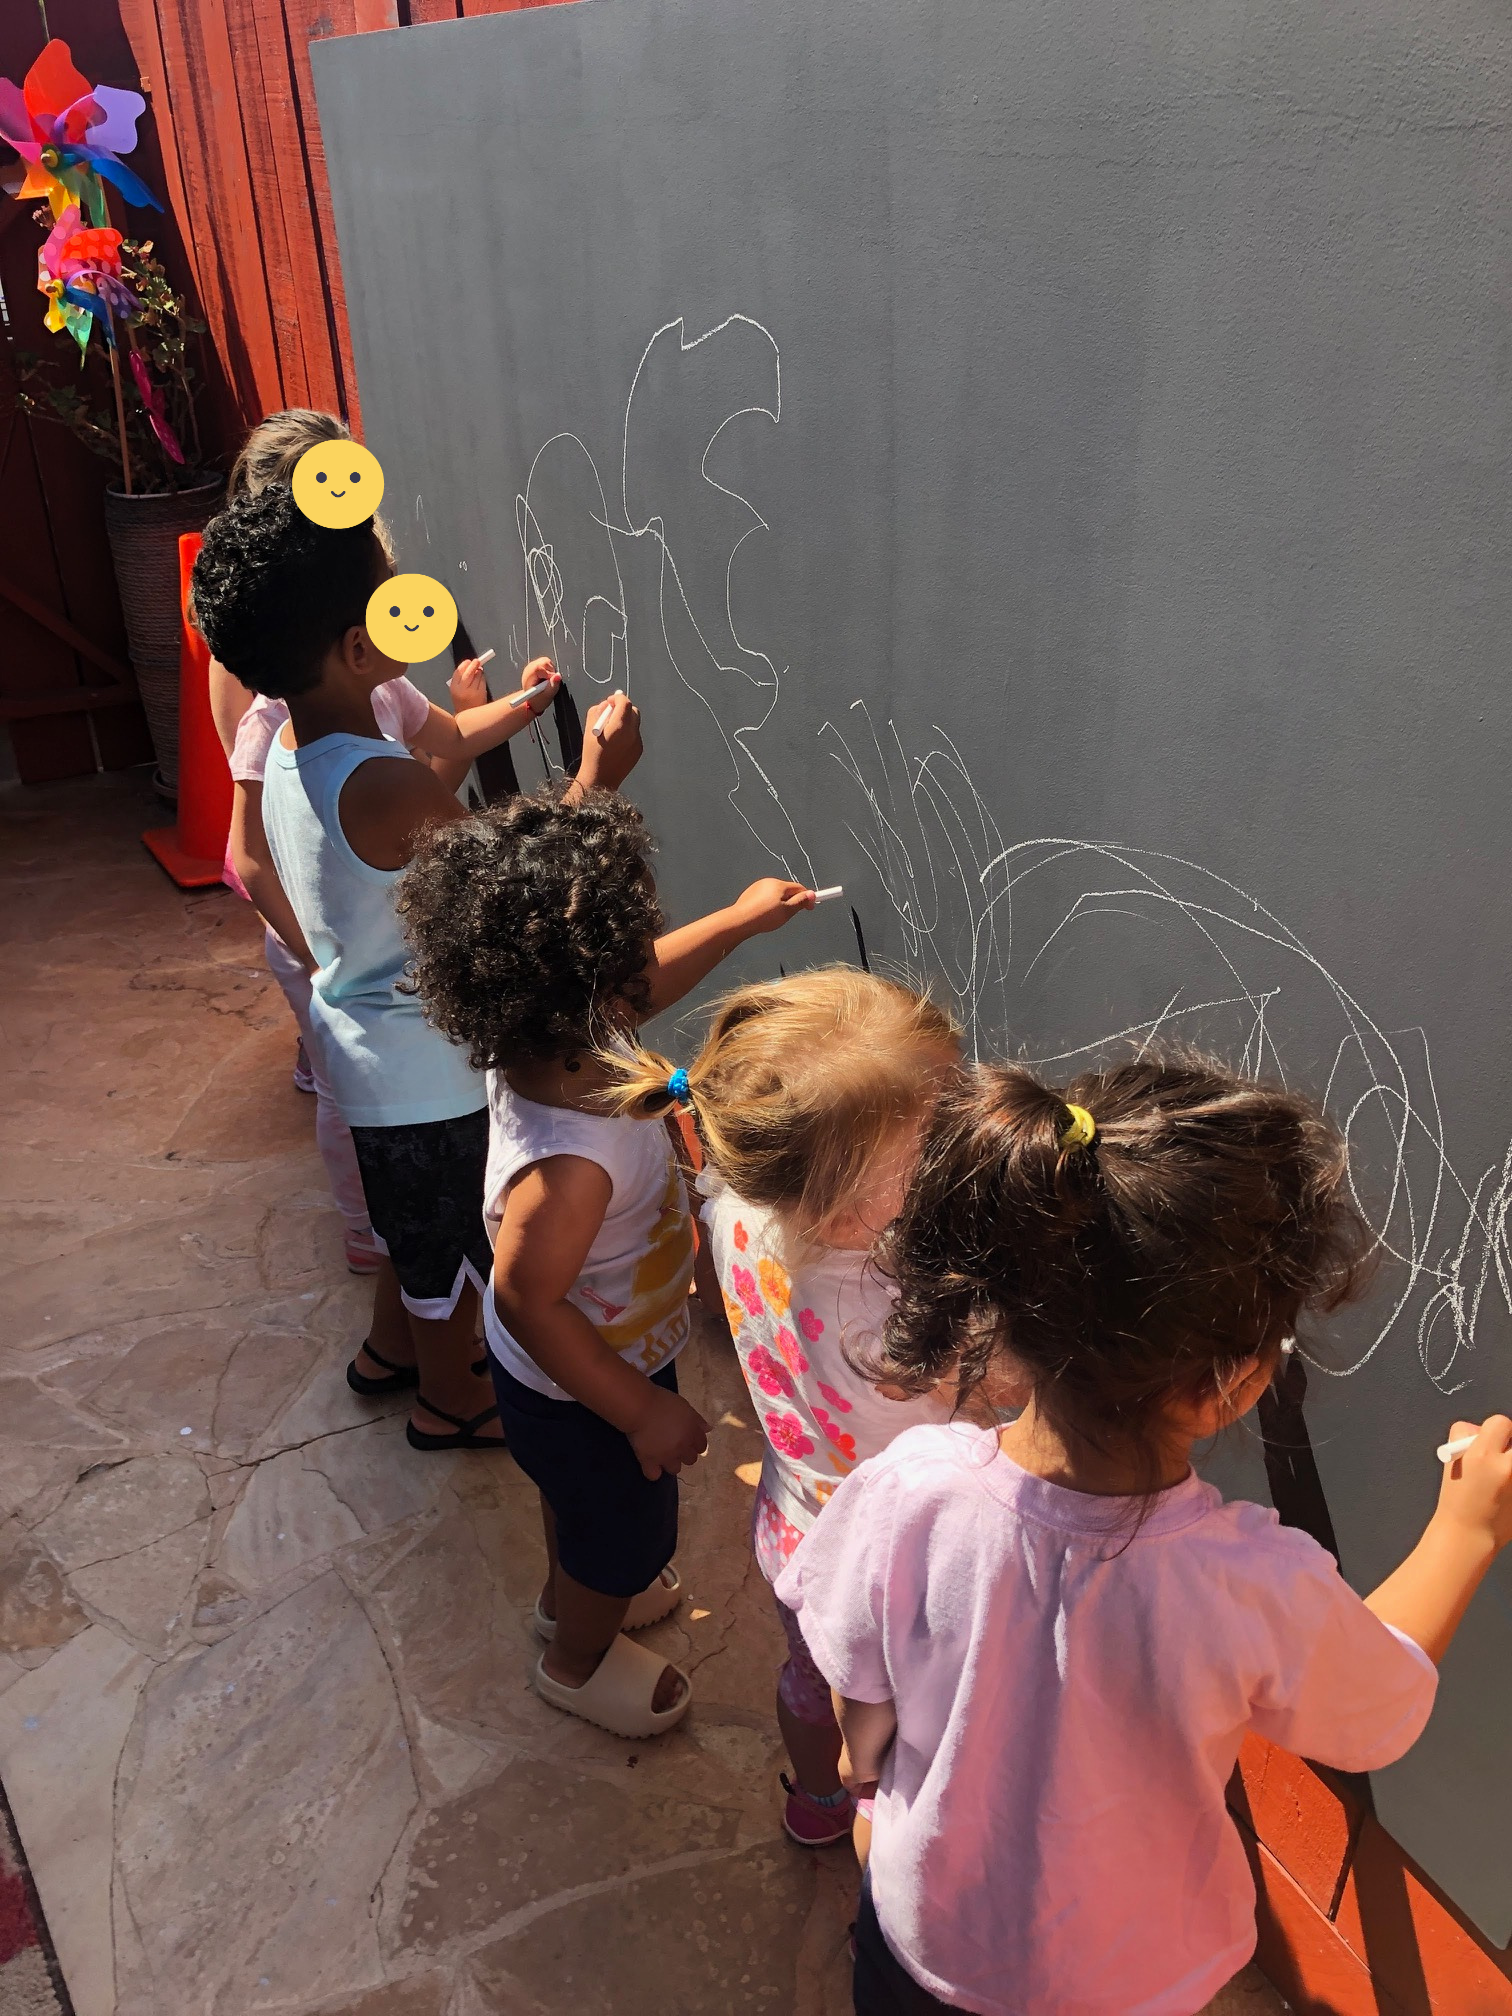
(615, 1529)
(424, 1190)
(883, 1985)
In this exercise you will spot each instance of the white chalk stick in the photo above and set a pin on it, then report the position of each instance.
(488, 657)
(829, 895)
(531, 693)
(1447, 1451)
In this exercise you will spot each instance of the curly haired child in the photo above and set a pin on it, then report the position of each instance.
(538, 938)
(808, 1095)
(282, 603)
(246, 723)
(1049, 1639)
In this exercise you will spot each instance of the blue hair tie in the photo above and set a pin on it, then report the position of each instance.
(678, 1086)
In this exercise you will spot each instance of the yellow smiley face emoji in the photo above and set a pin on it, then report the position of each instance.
(411, 618)
(338, 484)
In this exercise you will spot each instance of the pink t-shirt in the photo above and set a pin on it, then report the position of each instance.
(399, 708)
(1050, 1832)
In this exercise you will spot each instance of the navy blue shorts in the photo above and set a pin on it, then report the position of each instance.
(424, 1189)
(884, 1986)
(616, 1530)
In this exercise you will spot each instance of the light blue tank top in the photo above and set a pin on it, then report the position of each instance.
(386, 1065)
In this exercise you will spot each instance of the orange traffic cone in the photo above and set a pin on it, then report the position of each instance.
(194, 850)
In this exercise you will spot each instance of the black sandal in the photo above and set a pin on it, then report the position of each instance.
(400, 1377)
(466, 1437)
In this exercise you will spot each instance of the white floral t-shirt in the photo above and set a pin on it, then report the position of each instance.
(794, 1319)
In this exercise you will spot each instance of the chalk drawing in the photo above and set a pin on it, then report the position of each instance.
(980, 915)
(984, 917)
(588, 631)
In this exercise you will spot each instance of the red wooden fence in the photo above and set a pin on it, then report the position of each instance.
(232, 144)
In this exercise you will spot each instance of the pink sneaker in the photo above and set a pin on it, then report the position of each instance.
(811, 1823)
(362, 1255)
(304, 1077)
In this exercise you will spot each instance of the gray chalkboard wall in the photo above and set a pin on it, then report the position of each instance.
(1047, 469)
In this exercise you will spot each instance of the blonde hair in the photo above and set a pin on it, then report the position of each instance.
(270, 451)
(276, 443)
(799, 1085)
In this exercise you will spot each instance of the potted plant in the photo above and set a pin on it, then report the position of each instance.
(124, 385)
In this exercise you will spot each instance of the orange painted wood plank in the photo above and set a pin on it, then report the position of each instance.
(259, 85)
(433, 10)
(1301, 1952)
(1306, 1822)
(308, 278)
(220, 209)
(139, 19)
(308, 21)
(1416, 1945)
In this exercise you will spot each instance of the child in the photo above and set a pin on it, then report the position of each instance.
(282, 603)
(808, 1096)
(247, 724)
(538, 937)
(1049, 1639)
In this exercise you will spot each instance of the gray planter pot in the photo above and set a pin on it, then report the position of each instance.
(144, 535)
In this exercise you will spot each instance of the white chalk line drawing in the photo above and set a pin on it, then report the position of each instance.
(753, 668)
(958, 890)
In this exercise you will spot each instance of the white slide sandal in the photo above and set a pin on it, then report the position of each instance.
(619, 1695)
(646, 1609)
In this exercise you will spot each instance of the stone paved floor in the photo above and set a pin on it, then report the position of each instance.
(264, 1716)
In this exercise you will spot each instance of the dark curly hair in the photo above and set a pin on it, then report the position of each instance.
(273, 591)
(1207, 1215)
(528, 921)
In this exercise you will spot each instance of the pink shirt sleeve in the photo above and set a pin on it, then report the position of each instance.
(401, 709)
(835, 1583)
(254, 738)
(1343, 1688)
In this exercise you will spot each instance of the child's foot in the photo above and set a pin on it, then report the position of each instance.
(812, 1820)
(362, 1255)
(304, 1077)
(671, 1689)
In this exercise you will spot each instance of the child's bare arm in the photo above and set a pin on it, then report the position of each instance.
(252, 858)
(458, 738)
(684, 957)
(868, 1729)
(468, 689)
(229, 700)
(1431, 1591)
(551, 1218)
(385, 806)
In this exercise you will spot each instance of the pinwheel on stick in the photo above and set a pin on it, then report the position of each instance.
(71, 135)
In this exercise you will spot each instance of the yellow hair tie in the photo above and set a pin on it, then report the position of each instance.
(1082, 1131)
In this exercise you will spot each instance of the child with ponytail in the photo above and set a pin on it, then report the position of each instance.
(808, 1097)
(538, 940)
(1049, 1639)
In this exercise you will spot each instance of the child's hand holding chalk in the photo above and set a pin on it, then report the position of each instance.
(1425, 1598)
(542, 686)
(767, 905)
(612, 747)
(828, 895)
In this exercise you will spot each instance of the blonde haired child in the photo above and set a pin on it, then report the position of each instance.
(808, 1096)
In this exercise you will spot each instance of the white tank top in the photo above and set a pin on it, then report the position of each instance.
(633, 1287)
(387, 1066)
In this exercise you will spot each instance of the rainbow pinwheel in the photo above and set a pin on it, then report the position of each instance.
(71, 134)
(79, 270)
